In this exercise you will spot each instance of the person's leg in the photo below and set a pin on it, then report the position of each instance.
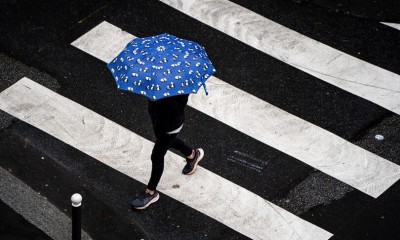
(163, 142)
(161, 146)
(179, 145)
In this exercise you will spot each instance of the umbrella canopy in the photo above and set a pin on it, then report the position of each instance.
(161, 66)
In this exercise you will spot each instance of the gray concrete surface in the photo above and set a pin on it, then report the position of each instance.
(35, 208)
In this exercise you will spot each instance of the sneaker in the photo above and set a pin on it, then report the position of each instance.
(191, 164)
(144, 200)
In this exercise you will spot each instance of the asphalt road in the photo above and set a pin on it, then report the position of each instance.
(35, 42)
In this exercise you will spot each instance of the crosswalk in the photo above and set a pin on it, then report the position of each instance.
(117, 146)
(344, 71)
(314, 146)
(239, 209)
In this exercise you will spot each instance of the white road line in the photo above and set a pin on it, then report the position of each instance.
(393, 25)
(328, 64)
(311, 144)
(129, 153)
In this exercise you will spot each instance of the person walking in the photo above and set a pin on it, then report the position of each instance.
(165, 69)
(167, 117)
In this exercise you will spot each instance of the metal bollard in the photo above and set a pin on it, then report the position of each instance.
(76, 200)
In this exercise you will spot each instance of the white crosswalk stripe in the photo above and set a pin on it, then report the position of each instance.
(393, 25)
(310, 144)
(328, 64)
(129, 153)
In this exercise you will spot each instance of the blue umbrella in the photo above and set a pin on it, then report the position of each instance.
(161, 66)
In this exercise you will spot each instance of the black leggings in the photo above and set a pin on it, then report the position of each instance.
(163, 143)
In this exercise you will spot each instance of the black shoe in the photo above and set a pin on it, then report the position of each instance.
(144, 200)
(191, 164)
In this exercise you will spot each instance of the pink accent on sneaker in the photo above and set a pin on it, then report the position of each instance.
(197, 161)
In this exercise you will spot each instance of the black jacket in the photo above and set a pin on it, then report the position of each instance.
(167, 114)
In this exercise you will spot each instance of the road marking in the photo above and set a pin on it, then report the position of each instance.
(393, 25)
(300, 139)
(328, 64)
(129, 153)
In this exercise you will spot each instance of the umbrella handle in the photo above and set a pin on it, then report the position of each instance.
(205, 89)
